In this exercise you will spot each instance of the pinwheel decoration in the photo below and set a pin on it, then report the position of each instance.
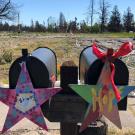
(25, 101)
(104, 96)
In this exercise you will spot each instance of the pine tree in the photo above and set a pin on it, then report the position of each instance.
(128, 20)
(62, 23)
(115, 21)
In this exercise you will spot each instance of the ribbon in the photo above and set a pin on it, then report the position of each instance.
(110, 56)
(53, 79)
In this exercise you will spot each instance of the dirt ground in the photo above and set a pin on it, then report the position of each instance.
(26, 127)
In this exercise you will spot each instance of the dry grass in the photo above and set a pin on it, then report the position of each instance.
(125, 131)
(63, 47)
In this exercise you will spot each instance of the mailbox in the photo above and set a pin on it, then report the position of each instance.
(41, 65)
(90, 68)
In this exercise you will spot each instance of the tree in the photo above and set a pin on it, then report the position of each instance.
(51, 24)
(7, 10)
(73, 26)
(95, 28)
(128, 20)
(37, 26)
(115, 21)
(84, 28)
(62, 23)
(91, 12)
(6, 27)
(32, 27)
(103, 13)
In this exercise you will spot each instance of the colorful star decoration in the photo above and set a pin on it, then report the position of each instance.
(25, 101)
(102, 101)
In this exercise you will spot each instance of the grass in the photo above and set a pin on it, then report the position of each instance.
(65, 47)
(125, 131)
(62, 47)
(108, 35)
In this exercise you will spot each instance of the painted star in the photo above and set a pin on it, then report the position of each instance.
(25, 101)
(102, 101)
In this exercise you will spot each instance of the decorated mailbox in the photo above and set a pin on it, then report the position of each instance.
(41, 65)
(90, 67)
(29, 79)
(105, 94)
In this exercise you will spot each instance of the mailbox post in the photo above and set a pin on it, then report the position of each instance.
(68, 75)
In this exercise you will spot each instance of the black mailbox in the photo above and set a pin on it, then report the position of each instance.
(41, 65)
(90, 68)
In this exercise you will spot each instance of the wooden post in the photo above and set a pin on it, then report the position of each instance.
(68, 75)
(68, 129)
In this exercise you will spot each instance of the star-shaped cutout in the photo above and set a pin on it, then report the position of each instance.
(25, 101)
(102, 100)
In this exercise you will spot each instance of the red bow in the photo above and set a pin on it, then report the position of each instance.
(110, 56)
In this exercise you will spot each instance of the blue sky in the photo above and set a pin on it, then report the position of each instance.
(42, 9)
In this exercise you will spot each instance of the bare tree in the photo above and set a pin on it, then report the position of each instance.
(91, 12)
(103, 13)
(7, 10)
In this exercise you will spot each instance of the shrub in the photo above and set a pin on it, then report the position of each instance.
(7, 56)
(1, 60)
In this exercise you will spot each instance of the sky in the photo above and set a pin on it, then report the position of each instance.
(41, 9)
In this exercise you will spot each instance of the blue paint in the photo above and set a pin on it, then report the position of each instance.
(14, 113)
(8, 124)
(2, 95)
(23, 78)
(40, 120)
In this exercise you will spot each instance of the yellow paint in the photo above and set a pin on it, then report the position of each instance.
(105, 100)
(97, 99)
(111, 97)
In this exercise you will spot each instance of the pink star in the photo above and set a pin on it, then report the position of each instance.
(25, 101)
